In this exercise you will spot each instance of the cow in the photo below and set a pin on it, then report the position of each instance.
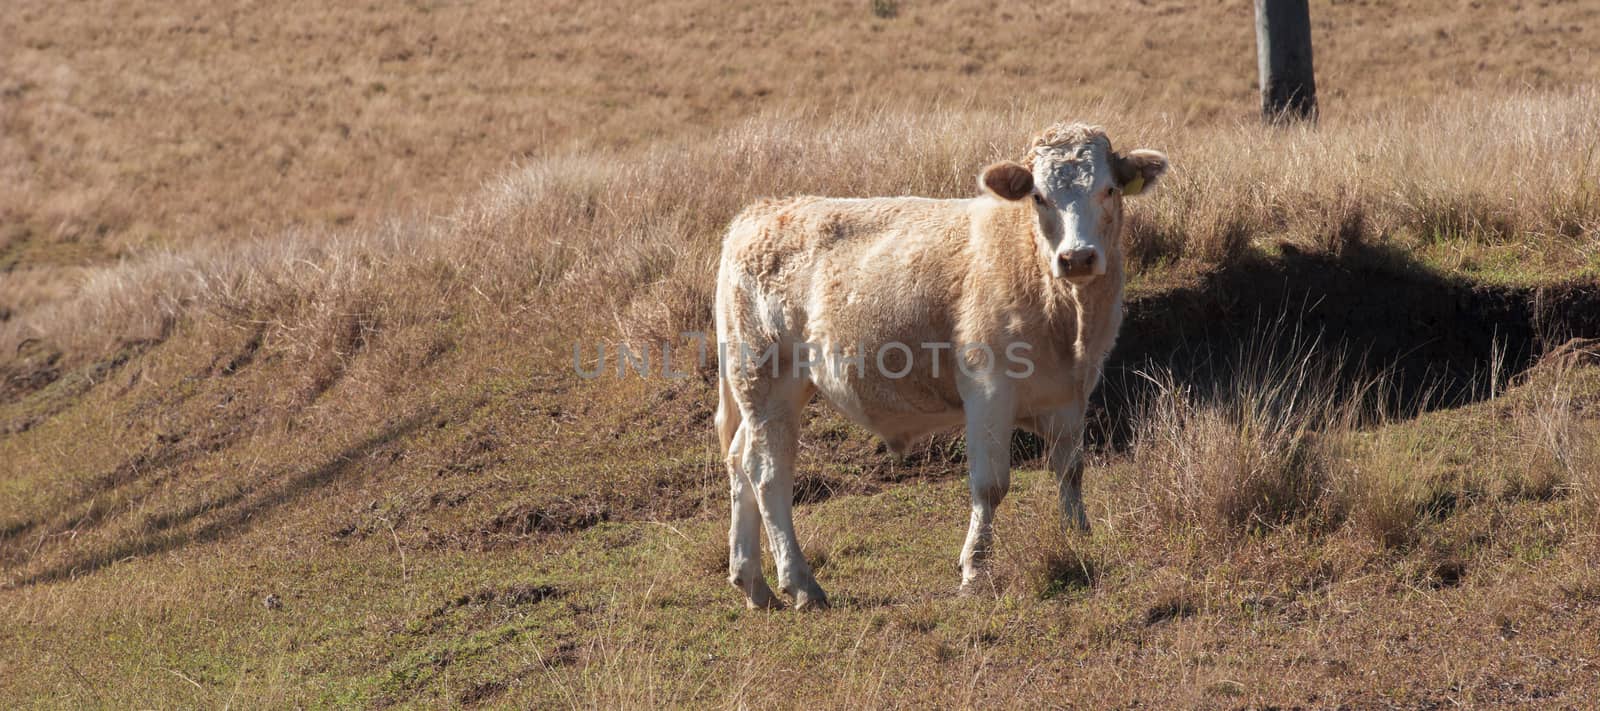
(912, 315)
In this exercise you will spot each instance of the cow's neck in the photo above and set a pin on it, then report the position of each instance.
(1100, 313)
(1082, 323)
(1089, 315)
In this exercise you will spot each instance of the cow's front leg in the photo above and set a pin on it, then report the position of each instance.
(989, 413)
(1062, 432)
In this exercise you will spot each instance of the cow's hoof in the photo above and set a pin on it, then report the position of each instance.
(811, 598)
(758, 596)
(978, 583)
(764, 602)
(1075, 520)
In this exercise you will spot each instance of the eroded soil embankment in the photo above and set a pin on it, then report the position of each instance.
(1439, 341)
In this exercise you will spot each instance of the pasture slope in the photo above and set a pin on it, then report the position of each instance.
(288, 415)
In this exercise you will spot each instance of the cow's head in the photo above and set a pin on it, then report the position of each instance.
(1076, 183)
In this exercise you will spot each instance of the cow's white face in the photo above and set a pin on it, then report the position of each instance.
(1080, 207)
(1076, 183)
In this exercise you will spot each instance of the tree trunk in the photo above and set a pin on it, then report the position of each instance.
(1283, 53)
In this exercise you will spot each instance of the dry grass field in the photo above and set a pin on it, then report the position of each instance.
(289, 292)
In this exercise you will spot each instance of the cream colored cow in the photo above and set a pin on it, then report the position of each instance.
(912, 315)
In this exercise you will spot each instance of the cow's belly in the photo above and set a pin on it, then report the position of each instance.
(1049, 391)
(898, 409)
(902, 409)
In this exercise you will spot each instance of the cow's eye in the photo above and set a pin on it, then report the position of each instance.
(1038, 199)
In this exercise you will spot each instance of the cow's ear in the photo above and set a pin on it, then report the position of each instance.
(1007, 180)
(1139, 170)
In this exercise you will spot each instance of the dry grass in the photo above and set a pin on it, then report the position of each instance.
(1285, 440)
(1250, 454)
(634, 233)
(1390, 486)
(131, 128)
(1562, 455)
(266, 328)
(129, 125)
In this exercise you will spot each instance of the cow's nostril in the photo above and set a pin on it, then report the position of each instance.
(1078, 258)
(1079, 262)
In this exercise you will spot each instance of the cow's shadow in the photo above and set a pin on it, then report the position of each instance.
(228, 516)
(1369, 315)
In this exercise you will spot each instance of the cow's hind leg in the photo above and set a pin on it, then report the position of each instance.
(770, 436)
(744, 533)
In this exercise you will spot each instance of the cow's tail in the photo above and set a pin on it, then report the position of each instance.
(728, 417)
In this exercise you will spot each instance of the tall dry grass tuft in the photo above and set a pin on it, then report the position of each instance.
(1285, 446)
(1562, 456)
(1247, 456)
(1259, 445)
(1281, 442)
(1387, 487)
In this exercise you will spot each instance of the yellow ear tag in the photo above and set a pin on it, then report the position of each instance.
(1133, 187)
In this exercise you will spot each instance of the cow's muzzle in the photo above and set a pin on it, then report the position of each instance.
(1080, 263)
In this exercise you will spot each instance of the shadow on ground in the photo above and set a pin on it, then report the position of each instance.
(233, 514)
(1438, 341)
